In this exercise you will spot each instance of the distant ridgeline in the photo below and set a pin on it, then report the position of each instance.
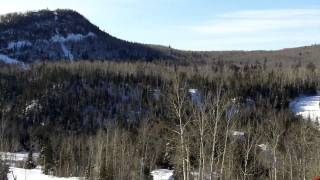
(67, 35)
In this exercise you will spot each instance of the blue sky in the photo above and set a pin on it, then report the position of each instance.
(197, 24)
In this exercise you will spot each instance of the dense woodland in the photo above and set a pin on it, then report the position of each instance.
(121, 120)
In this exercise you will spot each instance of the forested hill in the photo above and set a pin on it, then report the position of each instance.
(46, 35)
(62, 34)
(121, 120)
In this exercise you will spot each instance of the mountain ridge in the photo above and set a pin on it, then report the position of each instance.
(63, 34)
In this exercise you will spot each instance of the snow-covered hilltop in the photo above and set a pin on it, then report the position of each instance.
(61, 34)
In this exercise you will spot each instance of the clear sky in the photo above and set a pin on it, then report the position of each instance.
(197, 24)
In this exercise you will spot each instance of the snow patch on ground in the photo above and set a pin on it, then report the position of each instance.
(162, 174)
(19, 44)
(307, 107)
(21, 156)
(71, 37)
(26, 174)
(56, 16)
(32, 174)
(237, 133)
(193, 91)
(34, 104)
(91, 34)
(66, 51)
(8, 60)
(195, 96)
(266, 153)
(263, 147)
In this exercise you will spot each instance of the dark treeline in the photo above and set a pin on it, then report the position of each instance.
(109, 120)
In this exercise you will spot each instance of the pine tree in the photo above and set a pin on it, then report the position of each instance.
(4, 169)
(88, 171)
(30, 164)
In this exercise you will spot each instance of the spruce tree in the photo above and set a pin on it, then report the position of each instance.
(88, 171)
(30, 164)
(4, 170)
(46, 158)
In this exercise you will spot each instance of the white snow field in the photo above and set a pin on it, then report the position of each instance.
(12, 159)
(308, 107)
(32, 174)
(162, 174)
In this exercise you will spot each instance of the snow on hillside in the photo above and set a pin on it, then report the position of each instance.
(19, 44)
(162, 174)
(307, 107)
(34, 104)
(71, 37)
(55, 16)
(66, 52)
(8, 60)
(32, 174)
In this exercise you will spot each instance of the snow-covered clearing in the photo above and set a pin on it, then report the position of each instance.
(71, 37)
(307, 107)
(32, 174)
(12, 159)
(162, 174)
